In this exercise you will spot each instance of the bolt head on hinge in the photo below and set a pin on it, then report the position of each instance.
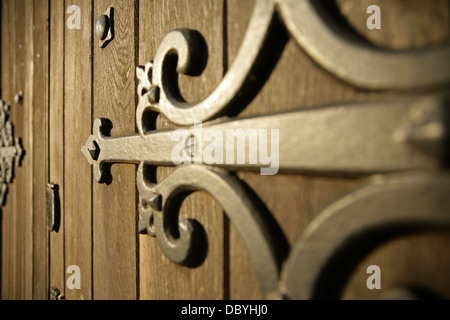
(153, 95)
(55, 294)
(104, 28)
(18, 98)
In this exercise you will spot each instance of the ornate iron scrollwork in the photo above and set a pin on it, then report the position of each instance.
(388, 206)
(182, 242)
(315, 31)
(11, 151)
(413, 136)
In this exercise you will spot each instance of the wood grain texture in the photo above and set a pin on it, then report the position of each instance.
(22, 118)
(40, 148)
(424, 267)
(115, 219)
(17, 69)
(405, 24)
(296, 82)
(7, 260)
(160, 278)
(77, 172)
(7, 217)
(56, 137)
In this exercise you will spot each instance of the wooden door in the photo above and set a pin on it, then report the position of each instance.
(51, 52)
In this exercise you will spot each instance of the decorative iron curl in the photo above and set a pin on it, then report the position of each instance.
(315, 31)
(184, 242)
(11, 151)
(357, 62)
(324, 256)
(185, 51)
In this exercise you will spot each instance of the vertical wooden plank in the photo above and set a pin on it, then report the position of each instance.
(17, 69)
(24, 127)
(405, 25)
(56, 137)
(296, 82)
(6, 217)
(160, 278)
(77, 127)
(40, 150)
(425, 267)
(115, 220)
(8, 46)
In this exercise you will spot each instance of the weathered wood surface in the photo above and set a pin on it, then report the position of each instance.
(77, 172)
(115, 256)
(17, 215)
(40, 151)
(56, 137)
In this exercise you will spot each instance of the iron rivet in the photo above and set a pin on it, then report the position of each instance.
(102, 27)
(94, 150)
(18, 98)
(153, 95)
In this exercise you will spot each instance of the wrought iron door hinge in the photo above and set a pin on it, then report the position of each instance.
(11, 151)
(385, 136)
(55, 294)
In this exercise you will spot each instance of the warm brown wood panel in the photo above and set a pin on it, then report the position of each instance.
(40, 148)
(7, 262)
(77, 172)
(56, 136)
(17, 69)
(22, 118)
(160, 278)
(405, 25)
(296, 82)
(7, 217)
(399, 267)
(115, 220)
